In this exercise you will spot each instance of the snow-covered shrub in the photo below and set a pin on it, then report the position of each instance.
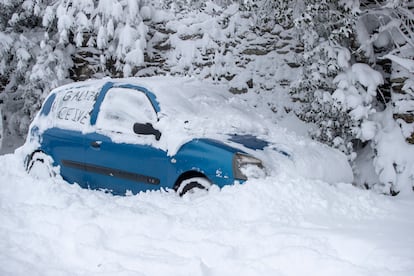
(348, 89)
(27, 68)
(356, 89)
(324, 28)
(222, 40)
(110, 31)
(385, 33)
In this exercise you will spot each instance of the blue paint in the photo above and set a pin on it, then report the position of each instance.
(249, 141)
(48, 105)
(254, 143)
(99, 100)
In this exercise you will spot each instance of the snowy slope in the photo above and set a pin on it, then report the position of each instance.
(274, 226)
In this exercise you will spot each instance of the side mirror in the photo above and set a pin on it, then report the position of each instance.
(147, 129)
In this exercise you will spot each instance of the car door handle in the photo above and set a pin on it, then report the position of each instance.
(96, 144)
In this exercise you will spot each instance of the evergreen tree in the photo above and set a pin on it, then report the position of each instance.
(386, 38)
(325, 29)
(21, 92)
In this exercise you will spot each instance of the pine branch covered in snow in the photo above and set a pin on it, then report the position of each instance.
(385, 35)
(29, 69)
(324, 28)
(347, 85)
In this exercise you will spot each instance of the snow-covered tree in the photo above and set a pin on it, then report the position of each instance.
(385, 32)
(106, 35)
(349, 87)
(22, 84)
(325, 30)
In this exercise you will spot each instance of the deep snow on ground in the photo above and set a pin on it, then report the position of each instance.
(274, 226)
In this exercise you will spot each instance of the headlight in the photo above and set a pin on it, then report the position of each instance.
(242, 163)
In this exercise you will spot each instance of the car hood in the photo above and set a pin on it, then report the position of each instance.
(254, 143)
(249, 141)
(311, 159)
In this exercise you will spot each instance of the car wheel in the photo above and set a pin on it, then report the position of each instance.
(40, 165)
(193, 185)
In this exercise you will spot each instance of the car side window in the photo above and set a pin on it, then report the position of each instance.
(122, 108)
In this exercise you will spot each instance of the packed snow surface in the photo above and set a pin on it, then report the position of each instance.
(277, 225)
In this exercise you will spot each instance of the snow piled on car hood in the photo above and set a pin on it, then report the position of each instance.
(193, 109)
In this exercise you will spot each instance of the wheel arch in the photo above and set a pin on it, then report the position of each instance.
(187, 175)
(29, 157)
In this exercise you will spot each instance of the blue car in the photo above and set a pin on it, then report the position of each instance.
(113, 135)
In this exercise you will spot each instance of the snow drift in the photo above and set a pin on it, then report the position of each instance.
(279, 225)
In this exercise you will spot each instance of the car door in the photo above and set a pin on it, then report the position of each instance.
(66, 147)
(117, 159)
(68, 116)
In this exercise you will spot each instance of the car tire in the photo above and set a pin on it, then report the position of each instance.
(40, 165)
(193, 185)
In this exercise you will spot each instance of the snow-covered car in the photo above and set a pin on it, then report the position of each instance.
(137, 134)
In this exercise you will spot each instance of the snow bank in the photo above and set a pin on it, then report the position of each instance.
(394, 161)
(273, 226)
